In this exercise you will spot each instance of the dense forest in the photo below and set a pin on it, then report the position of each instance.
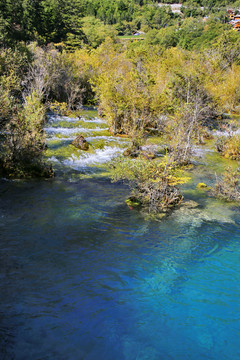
(176, 80)
(76, 21)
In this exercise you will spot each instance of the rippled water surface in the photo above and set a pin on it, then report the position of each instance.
(84, 277)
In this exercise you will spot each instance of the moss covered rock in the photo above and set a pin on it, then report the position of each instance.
(80, 143)
(202, 186)
(190, 204)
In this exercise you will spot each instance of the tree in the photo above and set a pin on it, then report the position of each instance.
(21, 119)
(24, 142)
(95, 31)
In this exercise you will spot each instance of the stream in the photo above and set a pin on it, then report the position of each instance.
(84, 277)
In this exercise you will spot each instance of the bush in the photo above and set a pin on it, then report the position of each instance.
(228, 186)
(228, 146)
(60, 108)
(153, 183)
(24, 141)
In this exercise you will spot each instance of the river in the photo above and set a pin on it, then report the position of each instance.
(85, 277)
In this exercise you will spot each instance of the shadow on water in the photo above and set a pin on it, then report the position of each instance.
(6, 340)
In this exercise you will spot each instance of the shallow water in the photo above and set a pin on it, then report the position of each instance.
(84, 277)
(103, 147)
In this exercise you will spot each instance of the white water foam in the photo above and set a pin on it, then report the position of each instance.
(57, 118)
(101, 156)
(199, 151)
(69, 131)
(95, 120)
(54, 159)
(107, 138)
(52, 138)
(225, 133)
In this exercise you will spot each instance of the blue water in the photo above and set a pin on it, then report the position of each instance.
(84, 277)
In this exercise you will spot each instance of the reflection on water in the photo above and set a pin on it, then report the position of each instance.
(83, 277)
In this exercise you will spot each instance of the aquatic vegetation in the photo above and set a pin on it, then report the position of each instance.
(99, 144)
(91, 124)
(102, 140)
(88, 114)
(190, 204)
(61, 149)
(100, 132)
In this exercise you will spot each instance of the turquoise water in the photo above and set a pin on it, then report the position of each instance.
(84, 277)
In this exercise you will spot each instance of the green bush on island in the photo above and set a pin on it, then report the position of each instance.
(154, 183)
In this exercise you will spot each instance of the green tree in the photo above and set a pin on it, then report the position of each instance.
(95, 31)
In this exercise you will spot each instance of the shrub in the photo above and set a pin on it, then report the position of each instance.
(228, 146)
(60, 108)
(153, 183)
(24, 141)
(228, 186)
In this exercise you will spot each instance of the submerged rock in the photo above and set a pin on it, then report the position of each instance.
(190, 204)
(80, 143)
(214, 210)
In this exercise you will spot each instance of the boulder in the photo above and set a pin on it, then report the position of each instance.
(80, 143)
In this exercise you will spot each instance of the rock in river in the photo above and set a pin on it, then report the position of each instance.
(81, 143)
